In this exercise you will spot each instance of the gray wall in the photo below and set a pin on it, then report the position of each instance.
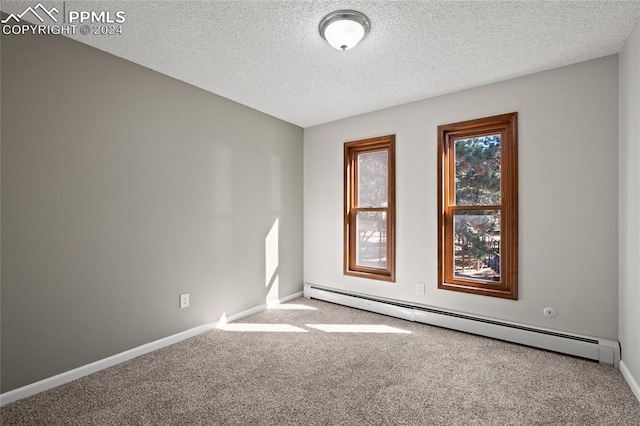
(122, 188)
(568, 155)
(629, 204)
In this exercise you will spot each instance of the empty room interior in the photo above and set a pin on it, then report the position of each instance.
(301, 212)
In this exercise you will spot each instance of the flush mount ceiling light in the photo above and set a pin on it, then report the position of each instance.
(343, 29)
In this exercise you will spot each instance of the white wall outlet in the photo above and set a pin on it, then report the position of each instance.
(549, 312)
(184, 300)
(420, 288)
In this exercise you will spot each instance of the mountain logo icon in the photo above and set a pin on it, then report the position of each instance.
(34, 12)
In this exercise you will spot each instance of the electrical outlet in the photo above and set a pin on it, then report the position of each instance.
(184, 300)
(420, 288)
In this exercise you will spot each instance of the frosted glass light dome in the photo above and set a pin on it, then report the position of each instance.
(343, 29)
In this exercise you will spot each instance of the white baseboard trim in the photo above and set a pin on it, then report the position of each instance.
(633, 384)
(85, 370)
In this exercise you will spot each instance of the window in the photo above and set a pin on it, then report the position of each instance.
(478, 206)
(369, 217)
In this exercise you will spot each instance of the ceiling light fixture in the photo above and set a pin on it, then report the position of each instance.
(343, 29)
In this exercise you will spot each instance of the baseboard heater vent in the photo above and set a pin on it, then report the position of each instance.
(602, 350)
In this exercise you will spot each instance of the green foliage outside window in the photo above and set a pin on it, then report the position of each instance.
(477, 182)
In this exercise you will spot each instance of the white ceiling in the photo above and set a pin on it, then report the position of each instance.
(269, 55)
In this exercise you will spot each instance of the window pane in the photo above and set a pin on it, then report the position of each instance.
(476, 244)
(373, 179)
(477, 171)
(371, 239)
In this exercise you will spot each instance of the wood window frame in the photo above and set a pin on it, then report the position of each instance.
(351, 208)
(507, 126)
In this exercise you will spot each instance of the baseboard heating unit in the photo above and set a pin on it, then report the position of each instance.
(602, 350)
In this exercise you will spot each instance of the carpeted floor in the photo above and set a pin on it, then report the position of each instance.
(314, 363)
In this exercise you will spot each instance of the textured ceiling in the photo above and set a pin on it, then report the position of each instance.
(268, 54)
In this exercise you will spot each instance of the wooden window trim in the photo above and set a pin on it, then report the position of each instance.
(507, 126)
(351, 151)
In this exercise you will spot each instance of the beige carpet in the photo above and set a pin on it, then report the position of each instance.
(333, 365)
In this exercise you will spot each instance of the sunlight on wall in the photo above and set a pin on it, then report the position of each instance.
(223, 320)
(271, 262)
(357, 328)
(274, 292)
(272, 278)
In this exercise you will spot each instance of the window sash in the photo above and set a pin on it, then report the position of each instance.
(353, 248)
(450, 170)
(449, 243)
(352, 151)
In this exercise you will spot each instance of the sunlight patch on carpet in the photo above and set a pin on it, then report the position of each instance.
(357, 328)
(281, 328)
(293, 306)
